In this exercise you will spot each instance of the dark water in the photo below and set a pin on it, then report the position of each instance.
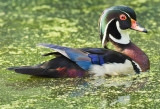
(25, 23)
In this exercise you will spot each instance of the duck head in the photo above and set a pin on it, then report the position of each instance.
(113, 25)
(115, 21)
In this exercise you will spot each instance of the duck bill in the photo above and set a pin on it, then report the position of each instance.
(136, 26)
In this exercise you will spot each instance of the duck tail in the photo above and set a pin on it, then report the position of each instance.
(36, 70)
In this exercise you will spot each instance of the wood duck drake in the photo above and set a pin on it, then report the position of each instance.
(82, 62)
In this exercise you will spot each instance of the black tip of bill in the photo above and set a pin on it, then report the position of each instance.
(145, 31)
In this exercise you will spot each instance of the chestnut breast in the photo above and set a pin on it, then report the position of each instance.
(138, 56)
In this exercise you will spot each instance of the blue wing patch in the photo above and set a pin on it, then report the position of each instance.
(96, 59)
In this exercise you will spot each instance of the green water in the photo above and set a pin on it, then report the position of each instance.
(24, 23)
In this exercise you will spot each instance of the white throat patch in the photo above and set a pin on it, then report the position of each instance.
(124, 36)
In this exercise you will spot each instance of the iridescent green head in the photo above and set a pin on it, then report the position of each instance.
(113, 23)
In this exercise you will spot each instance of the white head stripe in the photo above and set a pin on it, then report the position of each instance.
(126, 13)
(105, 32)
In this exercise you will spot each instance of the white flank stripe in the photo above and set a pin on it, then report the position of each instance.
(137, 66)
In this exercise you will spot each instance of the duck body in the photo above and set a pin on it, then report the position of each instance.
(71, 62)
(82, 62)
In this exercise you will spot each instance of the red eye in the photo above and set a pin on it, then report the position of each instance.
(123, 17)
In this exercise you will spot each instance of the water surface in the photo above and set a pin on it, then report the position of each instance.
(74, 23)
